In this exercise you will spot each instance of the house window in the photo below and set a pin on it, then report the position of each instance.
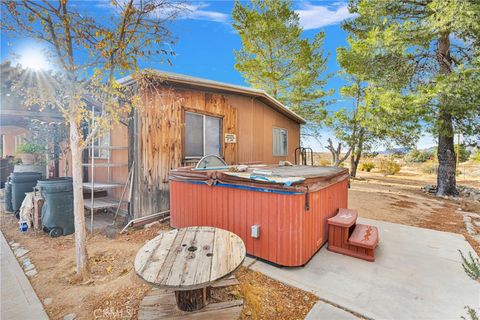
(19, 140)
(202, 135)
(279, 142)
(100, 145)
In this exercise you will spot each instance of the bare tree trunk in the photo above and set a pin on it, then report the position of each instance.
(447, 167)
(337, 159)
(78, 209)
(357, 155)
(353, 169)
(446, 176)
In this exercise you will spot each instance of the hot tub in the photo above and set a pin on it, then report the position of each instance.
(279, 212)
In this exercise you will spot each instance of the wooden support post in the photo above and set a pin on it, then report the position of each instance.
(191, 300)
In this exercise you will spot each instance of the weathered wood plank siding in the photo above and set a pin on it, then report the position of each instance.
(159, 145)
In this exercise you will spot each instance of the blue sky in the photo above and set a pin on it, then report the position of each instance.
(206, 41)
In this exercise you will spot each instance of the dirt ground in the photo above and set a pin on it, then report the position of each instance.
(114, 291)
(399, 199)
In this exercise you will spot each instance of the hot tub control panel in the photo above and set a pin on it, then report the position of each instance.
(255, 231)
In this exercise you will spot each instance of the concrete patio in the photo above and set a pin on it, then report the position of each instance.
(417, 275)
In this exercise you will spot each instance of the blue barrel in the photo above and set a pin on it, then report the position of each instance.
(22, 182)
(57, 210)
(8, 195)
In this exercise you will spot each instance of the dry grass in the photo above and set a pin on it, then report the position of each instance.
(268, 299)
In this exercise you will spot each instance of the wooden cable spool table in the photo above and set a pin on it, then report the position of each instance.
(188, 261)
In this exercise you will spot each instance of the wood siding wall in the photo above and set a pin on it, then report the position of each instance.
(160, 128)
(159, 132)
(255, 131)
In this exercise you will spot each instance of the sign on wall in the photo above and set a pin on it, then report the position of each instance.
(230, 138)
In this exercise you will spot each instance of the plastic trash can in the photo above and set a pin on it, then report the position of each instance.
(22, 182)
(8, 195)
(57, 210)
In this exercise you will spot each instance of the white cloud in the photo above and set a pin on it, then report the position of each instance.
(194, 11)
(197, 12)
(317, 16)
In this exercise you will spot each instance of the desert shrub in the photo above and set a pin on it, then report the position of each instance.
(471, 265)
(367, 166)
(472, 314)
(429, 168)
(475, 156)
(419, 156)
(464, 153)
(388, 166)
(324, 162)
(372, 154)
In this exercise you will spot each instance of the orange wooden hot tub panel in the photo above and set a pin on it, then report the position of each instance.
(289, 234)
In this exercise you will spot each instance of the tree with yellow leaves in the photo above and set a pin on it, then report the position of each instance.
(88, 52)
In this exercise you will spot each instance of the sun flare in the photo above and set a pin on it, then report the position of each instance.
(35, 60)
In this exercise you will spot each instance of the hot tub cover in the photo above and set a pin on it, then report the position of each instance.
(290, 178)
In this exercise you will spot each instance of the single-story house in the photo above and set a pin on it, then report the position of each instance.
(181, 119)
(184, 118)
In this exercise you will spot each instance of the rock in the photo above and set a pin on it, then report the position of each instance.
(15, 245)
(248, 313)
(429, 188)
(47, 301)
(477, 223)
(20, 252)
(70, 316)
(31, 273)
(468, 192)
(29, 267)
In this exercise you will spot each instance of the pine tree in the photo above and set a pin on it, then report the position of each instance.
(422, 57)
(276, 58)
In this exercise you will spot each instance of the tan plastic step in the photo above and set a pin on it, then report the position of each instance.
(364, 236)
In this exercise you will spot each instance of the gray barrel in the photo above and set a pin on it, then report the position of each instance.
(57, 210)
(8, 195)
(22, 182)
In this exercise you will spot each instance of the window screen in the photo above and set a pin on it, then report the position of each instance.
(212, 135)
(279, 142)
(202, 135)
(193, 135)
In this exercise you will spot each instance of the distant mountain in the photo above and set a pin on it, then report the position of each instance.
(431, 149)
(404, 150)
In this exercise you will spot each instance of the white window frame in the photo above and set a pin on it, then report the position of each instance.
(98, 141)
(273, 143)
(19, 140)
(204, 147)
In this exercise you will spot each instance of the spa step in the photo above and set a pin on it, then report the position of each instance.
(364, 236)
(344, 218)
